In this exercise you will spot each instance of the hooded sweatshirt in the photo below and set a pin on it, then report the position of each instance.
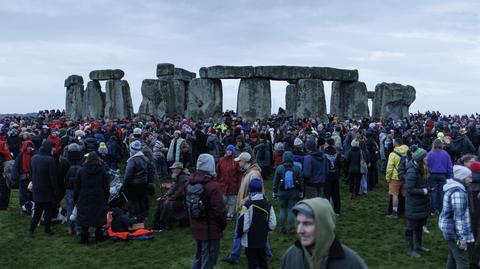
(328, 252)
(393, 163)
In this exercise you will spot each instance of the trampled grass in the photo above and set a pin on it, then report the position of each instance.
(362, 226)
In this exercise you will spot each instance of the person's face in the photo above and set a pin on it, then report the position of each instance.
(176, 135)
(29, 149)
(468, 180)
(242, 164)
(229, 153)
(176, 172)
(305, 230)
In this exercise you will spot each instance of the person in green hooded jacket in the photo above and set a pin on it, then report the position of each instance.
(317, 246)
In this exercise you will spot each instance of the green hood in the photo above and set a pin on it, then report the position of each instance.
(288, 157)
(324, 230)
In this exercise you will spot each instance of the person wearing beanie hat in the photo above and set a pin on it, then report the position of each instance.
(207, 231)
(137, 177)
(278, 151)
(353, 165)
(43, 173)
(317, 245)
(454, 220)
(256, 219)
(417, 202)
(73, 161)
(229, 177)
(298, 142)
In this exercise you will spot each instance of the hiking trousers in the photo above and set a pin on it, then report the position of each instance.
(206, 255)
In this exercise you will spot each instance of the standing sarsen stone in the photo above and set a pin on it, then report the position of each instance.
(118, 102)
(291, 99)
(393, 100)
(349, 99)
(94, 101)
(254, 98)
(156, 95)
(205, 99)
(74, 97)
(310, 101)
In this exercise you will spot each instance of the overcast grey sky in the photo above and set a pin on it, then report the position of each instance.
(431, 45)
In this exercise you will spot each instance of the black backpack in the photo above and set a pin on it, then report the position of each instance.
(194, 200)
(71, 176)
(402, 166)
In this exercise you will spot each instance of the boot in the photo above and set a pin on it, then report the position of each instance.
(409, 245)
(99, 235)
(418, 242)
(84, 237)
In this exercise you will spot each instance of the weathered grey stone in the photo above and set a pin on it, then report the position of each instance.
(393, 100)
(371, 94)
(165, 69)
(106, 74)
(291, 100)
(94, 101)
(283, 72)
(254, 98)
(310, 101)
(349, 99)
(118, 101)
(205, 98)
(225, 72)
(73, 80)
(156, 95)
(184, 75)
(180, 91)
(74, 101)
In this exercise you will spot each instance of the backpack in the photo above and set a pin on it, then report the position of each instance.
(71, 176)
(9, 174)
(288, 182)
(402, 166)
(196, 206)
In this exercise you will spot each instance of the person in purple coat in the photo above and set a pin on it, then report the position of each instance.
(440, 166)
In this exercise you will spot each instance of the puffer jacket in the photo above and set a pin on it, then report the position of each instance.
(394, 163)
(137, 170)
(417, 201)
(315, 168)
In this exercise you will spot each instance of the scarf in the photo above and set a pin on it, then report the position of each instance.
(26, 156)
(5, 152)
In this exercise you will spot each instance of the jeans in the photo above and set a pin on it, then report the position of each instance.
(236, 250)
(287, 201)
(70, 205)
(312, 191)
(24, 195)
(457, 258)
(230, 201)
(436, 196)
(207, 254)
(363, 185)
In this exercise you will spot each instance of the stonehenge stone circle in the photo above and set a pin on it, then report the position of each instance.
(204, 98)
(254, 98)
(310, 99)
(224, 72)
(349, 99)
(106, 74)
(118, 102)
(94, 101)
(393, 100)
(291, 100)
(74, 97)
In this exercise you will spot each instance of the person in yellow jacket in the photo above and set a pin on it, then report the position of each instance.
(395, 185)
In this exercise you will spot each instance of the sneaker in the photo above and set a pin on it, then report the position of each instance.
(393, 216)
(229, 260)
(425, 229)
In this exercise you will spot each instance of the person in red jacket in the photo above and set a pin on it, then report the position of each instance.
(229, 178)
(207, 231)
(57, 141)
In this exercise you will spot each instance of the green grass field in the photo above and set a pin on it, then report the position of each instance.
(362, 226)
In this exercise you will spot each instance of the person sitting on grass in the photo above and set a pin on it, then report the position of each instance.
(318, 246)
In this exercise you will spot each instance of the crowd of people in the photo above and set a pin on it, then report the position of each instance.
(215, 171)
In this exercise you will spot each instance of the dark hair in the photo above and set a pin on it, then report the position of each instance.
(330, 141)
(93, 159)
(437, 144)
(398, 141)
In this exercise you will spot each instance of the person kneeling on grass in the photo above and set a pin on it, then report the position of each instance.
(256, 219)
(318, 246)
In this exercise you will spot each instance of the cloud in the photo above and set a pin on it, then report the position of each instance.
(380, 56)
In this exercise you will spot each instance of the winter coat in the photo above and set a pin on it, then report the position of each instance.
(214, 147)
(393, 163)
(44, 176)
(439, 162)
(417, 200)
(212, 227)
(174, 152)
(137, 170)
(353, 161)
(266, 147)
(229, 175)
(315, 168)
(280, 174)
(91, 195)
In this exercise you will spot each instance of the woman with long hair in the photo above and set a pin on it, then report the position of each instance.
(417, 202)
